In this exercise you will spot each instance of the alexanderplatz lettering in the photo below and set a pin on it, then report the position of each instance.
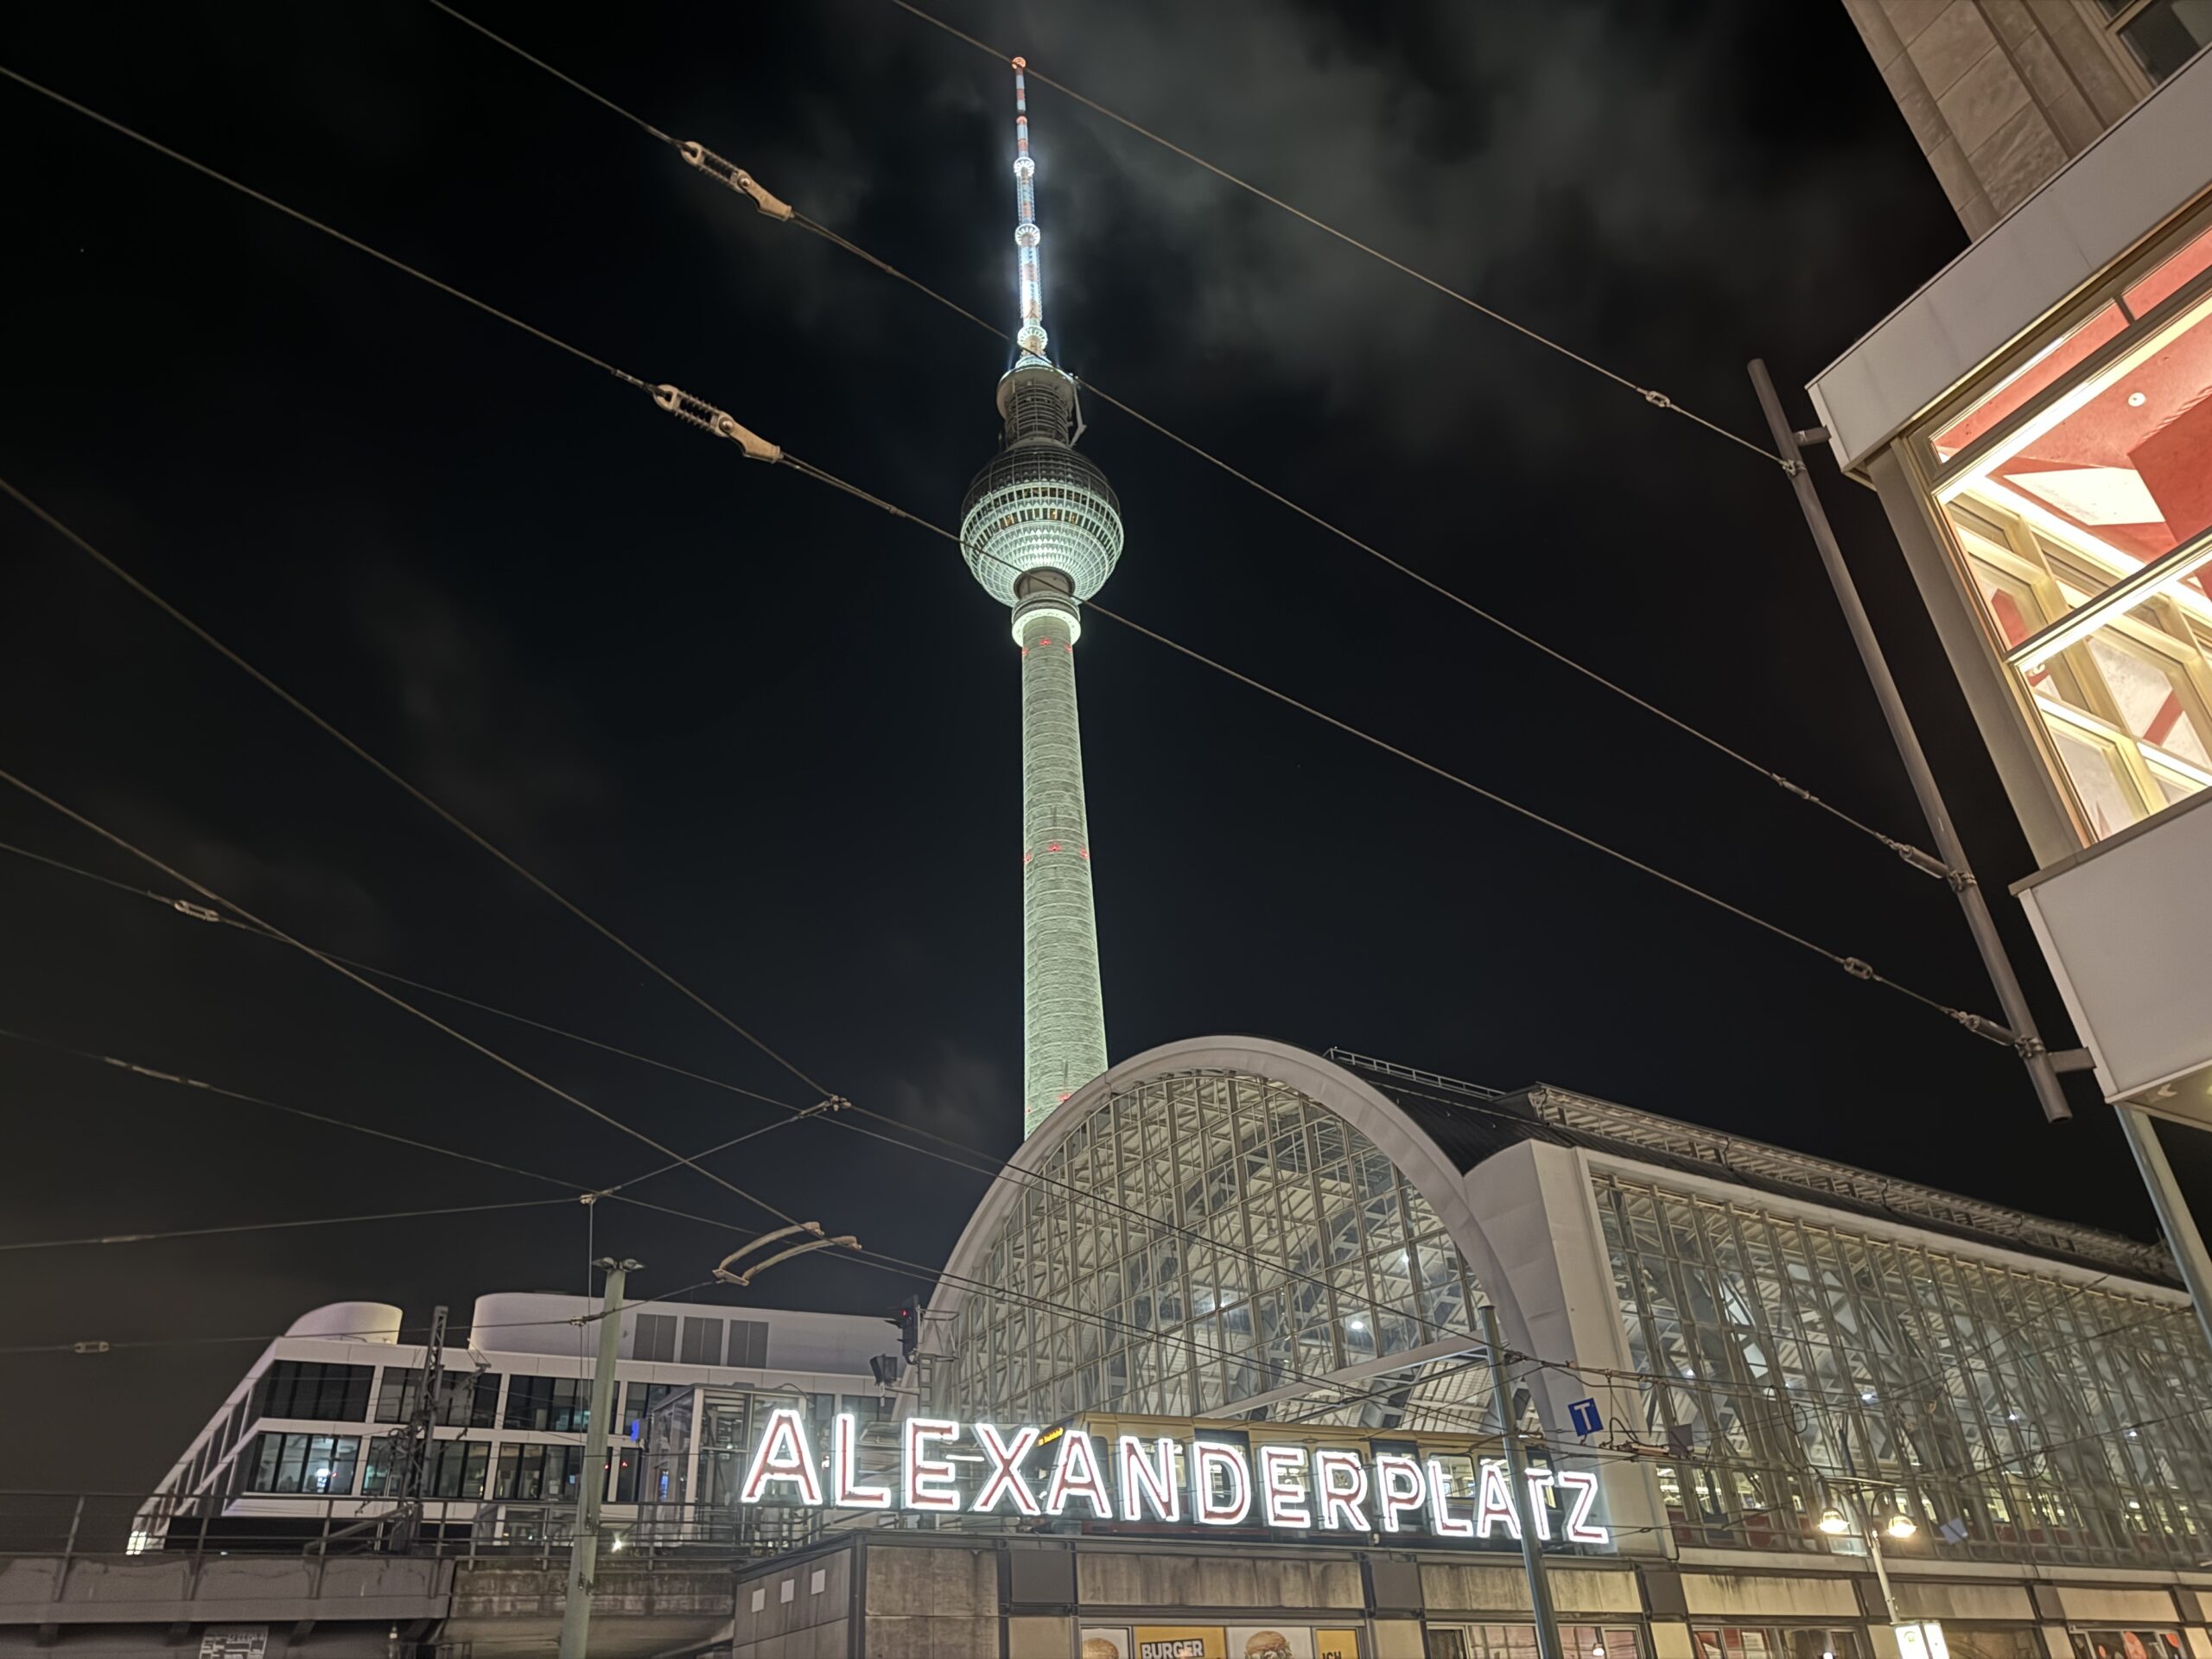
(1289, 1488)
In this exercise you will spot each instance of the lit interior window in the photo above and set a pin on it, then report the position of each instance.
(2084, 512)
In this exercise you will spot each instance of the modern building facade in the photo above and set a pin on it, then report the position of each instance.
(1737, 1372)
(1041, 531)
(1735, 1342)
(306, 1440)
(2037, 421)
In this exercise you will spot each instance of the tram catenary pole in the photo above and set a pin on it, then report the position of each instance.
(2183, 1238)
(591, 1484)
(1516, 1486)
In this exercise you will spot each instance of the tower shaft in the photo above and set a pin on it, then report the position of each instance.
(1064, 1016)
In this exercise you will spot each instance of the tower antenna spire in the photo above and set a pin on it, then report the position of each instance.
(1031, 334)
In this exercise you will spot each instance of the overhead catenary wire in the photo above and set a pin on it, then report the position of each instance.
(1657, 399)
(987, 1164)
(1785, 1397)
(716, 421)
(1346, 1395)
(1918, 858)
(1857, 967)
(900, 1266)
(277, 1226)
(990, 1167)
(336, 967)
(669, 398)
(584, 1194)
(301, 707)
(204, 913)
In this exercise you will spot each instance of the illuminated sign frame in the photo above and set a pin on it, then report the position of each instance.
(1293, 1488)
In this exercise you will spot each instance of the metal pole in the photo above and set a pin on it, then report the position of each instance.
(2182, 1239)
(2023, 1036)
(2172, 1210)
(1874, 1554)
(583, 1548)
(1857, 1513)
(1516, 1481)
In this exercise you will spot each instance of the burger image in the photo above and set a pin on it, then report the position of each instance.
(1097, 1647)
(1261, 1644)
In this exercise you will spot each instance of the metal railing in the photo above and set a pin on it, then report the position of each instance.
(69, 1524)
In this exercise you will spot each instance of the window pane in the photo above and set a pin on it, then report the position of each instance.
(2169, 278)
(2029, 382)
(2166, 34)
(2119, 470)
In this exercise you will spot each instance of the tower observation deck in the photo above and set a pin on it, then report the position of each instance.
(1041, 531)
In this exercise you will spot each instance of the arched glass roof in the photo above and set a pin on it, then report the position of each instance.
(1210, 1241)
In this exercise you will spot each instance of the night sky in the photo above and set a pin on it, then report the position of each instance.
(771, 736)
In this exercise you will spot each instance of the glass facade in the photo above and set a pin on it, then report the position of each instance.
(457, 1469)
(2128, 1644)
(1519, 1642)
(2034, 1415)
(313, 1393)
(301, 1462)
(468, 1400)
(558, 1405)
(2077, 493)
(1202, 1238)
(539, 1471)
(1783, 1642)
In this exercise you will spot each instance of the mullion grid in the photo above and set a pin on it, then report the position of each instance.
(1948, 1399)
(1246, 1293)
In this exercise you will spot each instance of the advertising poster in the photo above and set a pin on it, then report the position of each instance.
(1336, 1644)
(1182, 1642)
(1270, 1642)
(1106, 1641)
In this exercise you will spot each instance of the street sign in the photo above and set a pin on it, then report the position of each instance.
(1586, 1415)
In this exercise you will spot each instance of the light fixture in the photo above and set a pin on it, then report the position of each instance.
(1902, 1525)
(617, 1544)
(1832, 1522)
(2136, 400)
(1597, 1650)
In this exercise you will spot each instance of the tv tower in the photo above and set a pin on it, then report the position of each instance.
(1040, 529)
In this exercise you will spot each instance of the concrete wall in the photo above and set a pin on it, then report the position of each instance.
(931, 1604)
(243, 1589)
(800, 1612)
(1176, 1580)
(1452, 1588)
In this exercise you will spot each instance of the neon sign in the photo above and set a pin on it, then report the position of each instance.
(1287, 1488)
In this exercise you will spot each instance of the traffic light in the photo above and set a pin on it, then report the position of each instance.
(908, 1318)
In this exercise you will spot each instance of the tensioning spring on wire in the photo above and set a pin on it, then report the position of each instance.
(704, 416)
(735, 177)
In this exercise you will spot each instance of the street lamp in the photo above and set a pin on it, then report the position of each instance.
(1832, 1522)
(1901, 1525)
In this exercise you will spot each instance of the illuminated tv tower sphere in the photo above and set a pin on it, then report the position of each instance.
(1040, 529)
